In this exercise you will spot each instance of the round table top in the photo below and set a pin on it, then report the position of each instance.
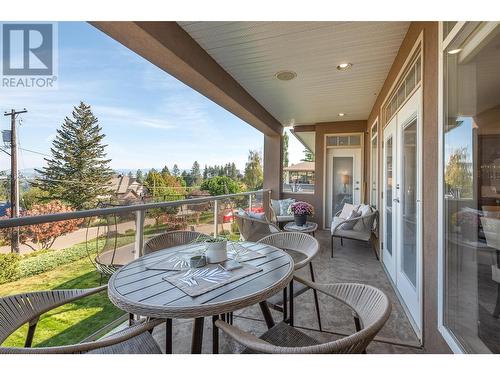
(308, 227)
(138, 290)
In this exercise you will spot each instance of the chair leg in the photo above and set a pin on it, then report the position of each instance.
(331, 242)
(215, 335)
(290, 320)
(370, 242)
(341, 241)
(316, 302)
(168, 336)
(357, 324)
(31, 333)
(285, 304)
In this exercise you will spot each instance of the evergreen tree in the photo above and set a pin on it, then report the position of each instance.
(139, 176)
(130, 175)
(165, 171)
(78, 171)
(205, 172)
(254, 177)
(175, 171)
(285, 150)
(195, 174)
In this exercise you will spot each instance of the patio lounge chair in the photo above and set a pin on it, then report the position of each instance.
(17, 310)
(252, 229)
(371, 309)
(171, 239)
(359, 228)
(302, 248)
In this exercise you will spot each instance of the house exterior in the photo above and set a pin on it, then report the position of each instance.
(299, 177)
(126, 189)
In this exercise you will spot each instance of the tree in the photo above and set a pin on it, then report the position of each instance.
(32, 196)
(253, 177)
(78, 171)
(285, 149)
(42, 236)
(175, 171)
(308, 155)
(139, 176)
(458, 175)
(195, 175)
(130, 175)
(220, 185)
(165, 171)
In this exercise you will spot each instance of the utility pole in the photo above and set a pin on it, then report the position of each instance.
(14, 183)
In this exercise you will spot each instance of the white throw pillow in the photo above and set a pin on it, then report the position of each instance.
(347, 210)
(364, 209)
(350, 225)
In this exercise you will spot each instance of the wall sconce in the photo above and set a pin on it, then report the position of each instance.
(345, 181)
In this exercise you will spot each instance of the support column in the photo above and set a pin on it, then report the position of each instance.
(273, 164)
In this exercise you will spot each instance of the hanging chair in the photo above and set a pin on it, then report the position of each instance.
(104, 249)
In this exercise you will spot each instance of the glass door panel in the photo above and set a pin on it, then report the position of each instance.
(388, 194)
(342, 181)
(409, 203)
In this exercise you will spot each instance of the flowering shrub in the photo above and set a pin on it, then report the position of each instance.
(42, 236)
(301, 208)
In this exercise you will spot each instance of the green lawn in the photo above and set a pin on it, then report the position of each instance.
(70, 323)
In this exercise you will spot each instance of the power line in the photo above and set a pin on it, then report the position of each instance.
(34, 152)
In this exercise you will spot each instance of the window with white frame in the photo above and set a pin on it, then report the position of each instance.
(470, 187)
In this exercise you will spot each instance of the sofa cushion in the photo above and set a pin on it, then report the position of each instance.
(284, 218)
(347, 209)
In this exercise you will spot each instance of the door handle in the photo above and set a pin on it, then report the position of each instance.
(396, 200)
(356, 188)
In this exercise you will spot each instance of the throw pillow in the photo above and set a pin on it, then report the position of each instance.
(275, 204)
(350, 225)
(284, 205)
(347, 210)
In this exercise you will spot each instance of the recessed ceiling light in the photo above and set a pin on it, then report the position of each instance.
(341, 114)
(285, 75)
(454, 51)
(344, 66)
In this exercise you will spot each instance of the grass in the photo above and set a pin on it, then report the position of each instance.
(72, 322)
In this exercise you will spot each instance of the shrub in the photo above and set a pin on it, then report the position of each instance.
(9, 267)
(234, 228)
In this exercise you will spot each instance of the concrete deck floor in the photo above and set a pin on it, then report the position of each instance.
(354, 262)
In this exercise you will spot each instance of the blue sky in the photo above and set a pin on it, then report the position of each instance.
(150, 118)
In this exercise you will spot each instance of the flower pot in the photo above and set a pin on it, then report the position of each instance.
(216, 251)
(300, 220)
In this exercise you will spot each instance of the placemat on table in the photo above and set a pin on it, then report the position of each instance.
(179, 260)
(197, 281)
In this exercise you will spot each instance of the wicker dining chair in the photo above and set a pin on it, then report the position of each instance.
(19, 309)
(252, 229)
(302, 247)
(171, 239)
(371, 310)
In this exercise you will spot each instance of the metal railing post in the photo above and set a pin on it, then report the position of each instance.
(250, 203)
(216, 218)
(139, 233)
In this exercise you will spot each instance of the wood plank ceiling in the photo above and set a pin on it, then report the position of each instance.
(253, 52)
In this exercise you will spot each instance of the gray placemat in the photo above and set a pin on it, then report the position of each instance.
(179, 260)
(197, 281)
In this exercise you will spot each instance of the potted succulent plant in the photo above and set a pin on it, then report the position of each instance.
(300, 211)
(216, 249)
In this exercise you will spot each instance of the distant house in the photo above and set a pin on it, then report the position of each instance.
(299, 177)
(125, 188)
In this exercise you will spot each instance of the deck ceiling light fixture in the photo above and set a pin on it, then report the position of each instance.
(285, 75)
(341, 114)
(454, 51)
(344, 66)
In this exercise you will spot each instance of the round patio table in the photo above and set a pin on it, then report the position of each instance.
(140, 290)
(308, 227)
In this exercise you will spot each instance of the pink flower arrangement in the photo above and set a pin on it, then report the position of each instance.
(301, 208)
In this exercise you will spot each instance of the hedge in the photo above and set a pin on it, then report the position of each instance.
(14, 267)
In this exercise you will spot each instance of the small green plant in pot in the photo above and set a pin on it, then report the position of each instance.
(216, 249)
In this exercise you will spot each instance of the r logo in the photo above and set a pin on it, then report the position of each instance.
(27, 49)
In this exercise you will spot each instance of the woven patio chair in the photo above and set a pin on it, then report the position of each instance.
(362, 228)
(371, 310)
(17, 310)
(252, 229)
(302, 248)
(171, 239)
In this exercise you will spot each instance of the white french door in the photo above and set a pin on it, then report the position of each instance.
(402, 254)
